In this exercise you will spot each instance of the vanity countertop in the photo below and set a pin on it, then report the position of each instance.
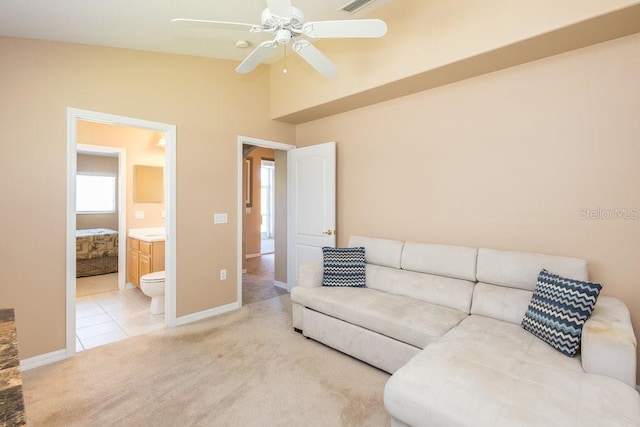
(11, 399)
(150, 234)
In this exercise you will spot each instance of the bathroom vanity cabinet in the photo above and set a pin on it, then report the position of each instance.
(143, 258)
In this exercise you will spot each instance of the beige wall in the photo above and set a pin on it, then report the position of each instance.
(103, 165)
(204, 98)
(141, 149)
(508, 160)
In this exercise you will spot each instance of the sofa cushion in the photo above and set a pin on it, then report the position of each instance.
(453, 293)
(379, 251)
(343, 267)
(485, 372)
(500, 302)
(403, 318)
(558, 309)
(520, 269)
(443, 260)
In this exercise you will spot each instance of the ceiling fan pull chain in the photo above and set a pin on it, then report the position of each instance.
(285, 60)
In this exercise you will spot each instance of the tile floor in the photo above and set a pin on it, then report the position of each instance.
(112, 316)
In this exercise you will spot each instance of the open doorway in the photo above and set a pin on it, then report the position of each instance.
(258, 225)
(110, 306)
(78, 122)
(262, 219)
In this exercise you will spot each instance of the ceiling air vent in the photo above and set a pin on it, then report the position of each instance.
(355, 5)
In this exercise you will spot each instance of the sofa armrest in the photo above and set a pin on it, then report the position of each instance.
(310, 275)
(608, 342)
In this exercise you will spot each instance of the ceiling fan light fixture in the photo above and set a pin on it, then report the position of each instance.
(283, 36)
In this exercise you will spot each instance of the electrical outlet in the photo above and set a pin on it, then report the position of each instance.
(223, 274)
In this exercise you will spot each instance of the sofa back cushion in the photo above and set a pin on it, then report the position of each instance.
(379, 251)
(500, 302)
(507, 280)
(443, 260)
(445, 291)
(521, 269)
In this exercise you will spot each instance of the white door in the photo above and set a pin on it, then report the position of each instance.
(311, 198)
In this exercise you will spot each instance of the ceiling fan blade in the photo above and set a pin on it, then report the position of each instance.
(258, 55)
(315, 58)
(281, 8)
(356, 28)
(213, 25)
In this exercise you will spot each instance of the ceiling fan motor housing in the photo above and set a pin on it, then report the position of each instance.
(283, 22)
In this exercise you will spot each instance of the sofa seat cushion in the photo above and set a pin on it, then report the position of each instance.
(403, 318)
(486, 372)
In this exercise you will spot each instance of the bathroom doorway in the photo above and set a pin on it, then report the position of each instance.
(109, 307)
(100, 315)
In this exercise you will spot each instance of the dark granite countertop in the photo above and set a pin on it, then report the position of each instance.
(11, 400)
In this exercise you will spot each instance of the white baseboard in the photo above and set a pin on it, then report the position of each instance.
(281, 285)
(43, 359)
(201, 315)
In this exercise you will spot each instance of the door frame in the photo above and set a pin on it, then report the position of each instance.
(241, 208)
(169, 130)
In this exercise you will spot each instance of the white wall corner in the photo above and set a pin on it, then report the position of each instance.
(43, 359)
(201, 315)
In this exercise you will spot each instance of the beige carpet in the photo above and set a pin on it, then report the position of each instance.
(247, 368)
(96, 284)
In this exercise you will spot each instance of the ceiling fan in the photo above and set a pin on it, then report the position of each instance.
(286, 24)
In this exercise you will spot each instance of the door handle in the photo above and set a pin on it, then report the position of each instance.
(328, 232)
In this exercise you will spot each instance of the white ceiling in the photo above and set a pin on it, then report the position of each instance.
(145, 24)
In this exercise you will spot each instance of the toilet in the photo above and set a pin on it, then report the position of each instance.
(152, 285)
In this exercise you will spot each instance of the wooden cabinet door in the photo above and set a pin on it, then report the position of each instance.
(133, 267)
(144, 263)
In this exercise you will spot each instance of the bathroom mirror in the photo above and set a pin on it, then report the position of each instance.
(148, 183)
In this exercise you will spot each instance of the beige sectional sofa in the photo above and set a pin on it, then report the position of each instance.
(445, 321)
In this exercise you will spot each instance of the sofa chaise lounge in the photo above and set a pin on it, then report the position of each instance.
(446, 322)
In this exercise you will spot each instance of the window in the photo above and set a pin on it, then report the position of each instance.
(95, 194)
(267, 196)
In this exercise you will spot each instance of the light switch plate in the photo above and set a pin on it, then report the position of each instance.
(220, 218)
(139, 214)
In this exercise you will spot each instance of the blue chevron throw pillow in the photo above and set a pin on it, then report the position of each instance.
(344, 267)
(558, 309)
